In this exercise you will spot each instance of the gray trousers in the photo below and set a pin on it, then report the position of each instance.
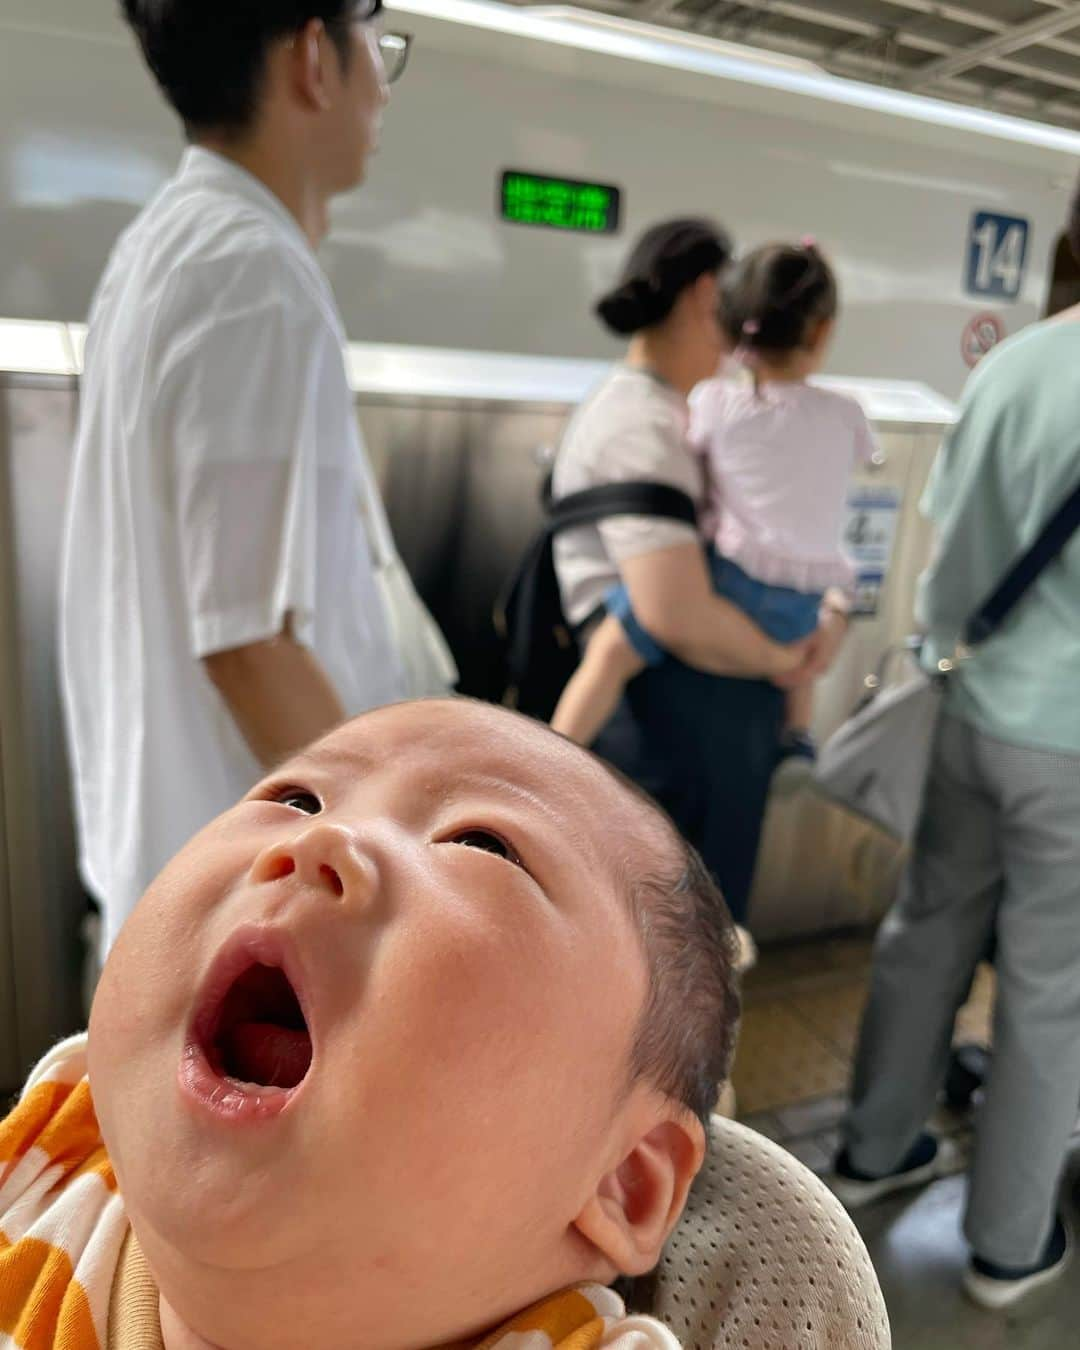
(998, 846)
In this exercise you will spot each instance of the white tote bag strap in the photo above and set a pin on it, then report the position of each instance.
(426, 660)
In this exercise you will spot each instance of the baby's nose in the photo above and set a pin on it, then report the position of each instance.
(324, 857)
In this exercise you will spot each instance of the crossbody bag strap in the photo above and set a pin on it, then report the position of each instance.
(1057, 532)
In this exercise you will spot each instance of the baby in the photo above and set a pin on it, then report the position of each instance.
(422, 1033)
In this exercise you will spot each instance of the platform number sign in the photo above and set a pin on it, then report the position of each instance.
(997, 255)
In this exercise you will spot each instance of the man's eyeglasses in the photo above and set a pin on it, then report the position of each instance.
(394, 49)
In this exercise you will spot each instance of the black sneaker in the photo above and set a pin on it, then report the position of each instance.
(795, 743)
(996, 1287)
(927, 1159)
(969, 1068)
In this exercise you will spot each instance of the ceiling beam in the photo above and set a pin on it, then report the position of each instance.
(1003, 44)
(860, 65)
(862, 28)
(858, 59)
(651, 11)
(985, 23)
(667, 12)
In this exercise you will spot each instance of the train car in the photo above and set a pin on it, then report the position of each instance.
(475, 230)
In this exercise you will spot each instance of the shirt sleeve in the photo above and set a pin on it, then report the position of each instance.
(702, 415)
(866, 441)
(652, 451)
(940, 493)
(244, 469)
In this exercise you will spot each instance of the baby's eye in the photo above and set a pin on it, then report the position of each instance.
(487, 842)
(299, 800)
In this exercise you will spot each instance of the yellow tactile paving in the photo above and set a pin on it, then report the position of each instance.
(834, 1014)
(781, 1060)
(801, 1022)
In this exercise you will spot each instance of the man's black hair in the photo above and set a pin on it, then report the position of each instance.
(209, 56)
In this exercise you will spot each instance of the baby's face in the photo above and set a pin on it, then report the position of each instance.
(370, 1029)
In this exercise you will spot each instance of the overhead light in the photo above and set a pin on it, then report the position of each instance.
(632, 41)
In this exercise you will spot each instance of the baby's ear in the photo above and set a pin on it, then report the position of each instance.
(638, 1203)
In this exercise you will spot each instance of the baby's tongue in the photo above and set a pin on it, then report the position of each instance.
(267, 1054)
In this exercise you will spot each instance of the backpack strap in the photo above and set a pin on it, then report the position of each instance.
(618, 499)
(535, 574)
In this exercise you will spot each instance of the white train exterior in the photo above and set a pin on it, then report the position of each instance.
(942, 221)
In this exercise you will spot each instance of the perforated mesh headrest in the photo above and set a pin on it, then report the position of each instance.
(765, 1258)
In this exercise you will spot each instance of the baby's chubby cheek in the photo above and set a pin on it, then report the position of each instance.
(483, 1004)
(482, 989)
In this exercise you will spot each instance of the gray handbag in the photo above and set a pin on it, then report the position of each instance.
(876, 765)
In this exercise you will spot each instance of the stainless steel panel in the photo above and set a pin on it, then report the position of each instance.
(10, 1063)
(462, 489)
(821, 868)
(39, 946)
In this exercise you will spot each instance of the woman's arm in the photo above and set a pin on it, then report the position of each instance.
(822, 647)
(673, 597)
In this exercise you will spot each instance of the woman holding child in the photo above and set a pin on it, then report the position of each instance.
(704, 723)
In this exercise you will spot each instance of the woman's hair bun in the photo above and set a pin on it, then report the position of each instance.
(631, 307)
(664, 262)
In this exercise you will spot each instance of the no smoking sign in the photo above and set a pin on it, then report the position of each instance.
(982, 335)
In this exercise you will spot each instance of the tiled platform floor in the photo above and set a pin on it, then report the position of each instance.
(803, 1004)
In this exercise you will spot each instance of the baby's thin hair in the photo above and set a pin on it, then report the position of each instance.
(686, 1039)
(686, 1034)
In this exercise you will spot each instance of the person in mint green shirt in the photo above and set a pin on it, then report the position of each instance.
(997, 853)
(1007, 465)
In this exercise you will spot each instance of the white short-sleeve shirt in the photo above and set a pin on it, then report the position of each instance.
(219, 485)
(632, 429)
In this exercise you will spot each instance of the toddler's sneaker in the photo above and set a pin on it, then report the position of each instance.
(797, 743)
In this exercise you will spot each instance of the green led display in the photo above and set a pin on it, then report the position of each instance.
(559, 203)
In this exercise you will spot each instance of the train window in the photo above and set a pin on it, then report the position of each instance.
(1065, 279)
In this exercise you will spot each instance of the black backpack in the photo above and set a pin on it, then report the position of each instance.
(541, 651)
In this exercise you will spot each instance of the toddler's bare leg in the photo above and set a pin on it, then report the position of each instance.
(800, 707)
(593, 694)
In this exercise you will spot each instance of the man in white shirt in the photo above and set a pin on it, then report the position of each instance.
(220, 603)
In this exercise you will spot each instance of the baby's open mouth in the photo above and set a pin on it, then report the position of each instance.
(258, 1035)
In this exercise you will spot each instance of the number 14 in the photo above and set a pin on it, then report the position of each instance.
(1001, 257)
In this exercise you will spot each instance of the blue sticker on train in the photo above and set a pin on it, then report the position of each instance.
(870, 535)
(997, 255)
